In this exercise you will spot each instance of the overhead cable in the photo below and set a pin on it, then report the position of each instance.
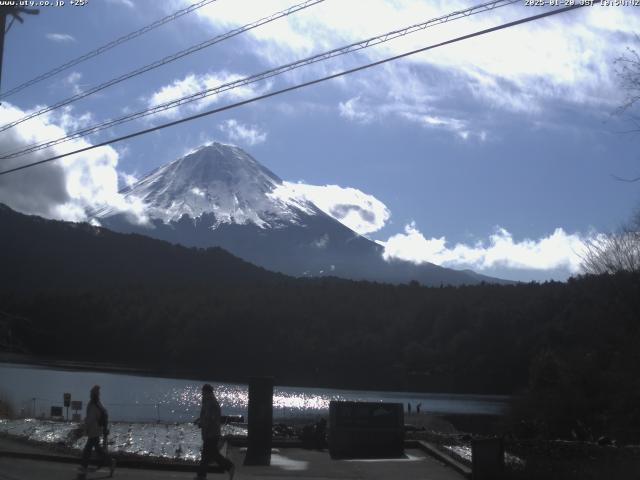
(299, 86)
(385, 37)
(164, 61)
(106, 47)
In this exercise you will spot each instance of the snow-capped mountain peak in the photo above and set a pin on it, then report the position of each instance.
(219, 179)
(238, 204)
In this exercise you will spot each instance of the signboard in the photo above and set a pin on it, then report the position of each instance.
(366, 429)
(56, 411)
(76, 405)
(487, 457)
(367, 415)
(67, 399)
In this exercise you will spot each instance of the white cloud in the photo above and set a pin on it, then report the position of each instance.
(351, 110)
(405, 98)
(60, 37)
(126, 3)
(276, 40)
(71, 81)
(454, 125)
(560, 250)
(246, 134)
(512, 69)
(127, 179)
(425, 115)
(67, 120)
(361, 212)
(64, 189)
(192, 84)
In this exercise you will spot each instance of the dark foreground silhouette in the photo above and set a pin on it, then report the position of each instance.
(570, 349)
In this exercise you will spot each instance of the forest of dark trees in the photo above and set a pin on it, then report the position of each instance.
(569, 351)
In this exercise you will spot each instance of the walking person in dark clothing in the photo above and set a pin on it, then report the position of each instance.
(209, 423)
(95, 424)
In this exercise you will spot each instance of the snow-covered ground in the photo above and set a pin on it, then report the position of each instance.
(172, 441)
(464, 452)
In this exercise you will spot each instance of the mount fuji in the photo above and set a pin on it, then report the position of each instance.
(220, 196)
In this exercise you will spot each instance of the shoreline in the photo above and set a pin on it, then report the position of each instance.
(115, 368)
(119, 369)
(171, 442)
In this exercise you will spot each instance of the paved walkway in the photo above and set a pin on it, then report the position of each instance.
(288, 464)
(285, 464)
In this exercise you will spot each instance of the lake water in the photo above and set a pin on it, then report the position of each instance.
(135, 398)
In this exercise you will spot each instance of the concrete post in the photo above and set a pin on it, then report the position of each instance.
(260, 421)
(487, 458)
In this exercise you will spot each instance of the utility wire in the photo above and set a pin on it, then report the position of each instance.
(166, 60)
(106, 47)
(299, 86)
(263, 75)
(13, 19)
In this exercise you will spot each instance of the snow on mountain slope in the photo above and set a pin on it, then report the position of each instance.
(220, 196)
(222, 180)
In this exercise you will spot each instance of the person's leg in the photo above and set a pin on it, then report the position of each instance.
(86, 453)
(108, 460)
(205, 457)
(217, 457)
(104, 456)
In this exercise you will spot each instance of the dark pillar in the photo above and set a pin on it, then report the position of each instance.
(487, 458)
(3, 24)
(260, 421)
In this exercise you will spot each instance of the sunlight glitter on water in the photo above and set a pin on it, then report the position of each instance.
(296, 403)
(234, 400)
(134, 398)
(178, 441)
(185, 402)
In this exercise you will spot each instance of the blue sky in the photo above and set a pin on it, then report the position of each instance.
(495, 154)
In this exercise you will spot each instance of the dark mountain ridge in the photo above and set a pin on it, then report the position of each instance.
(37, 253)
(221, 196)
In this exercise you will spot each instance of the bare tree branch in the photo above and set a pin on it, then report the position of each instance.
(615, 252)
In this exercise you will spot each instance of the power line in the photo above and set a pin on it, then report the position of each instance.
(16, 13)
(300, 85)
(108, 46)
(263, 75)
(166, 60)
(13, 19)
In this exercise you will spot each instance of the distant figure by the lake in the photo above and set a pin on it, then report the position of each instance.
(209, 423)
(96, 424)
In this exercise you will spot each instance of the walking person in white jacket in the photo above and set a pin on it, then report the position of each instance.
(95, 424)
(209, 423)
